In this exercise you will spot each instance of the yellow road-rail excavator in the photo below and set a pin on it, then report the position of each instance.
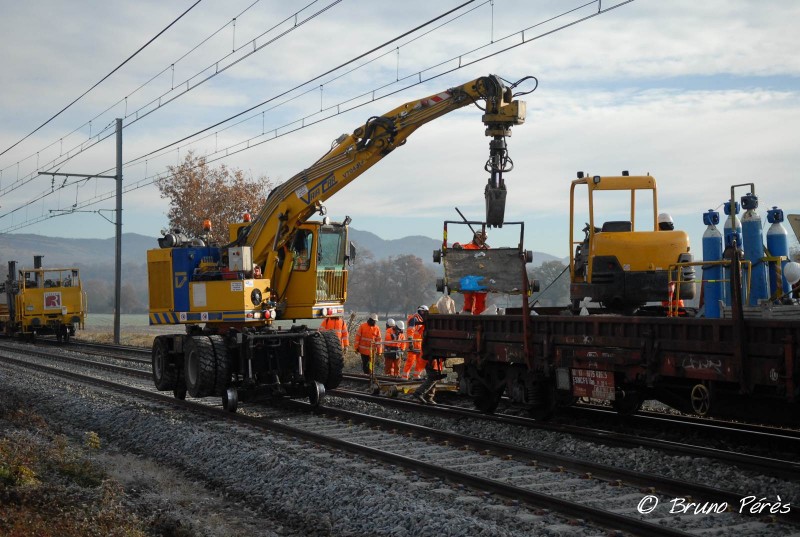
(233, 347)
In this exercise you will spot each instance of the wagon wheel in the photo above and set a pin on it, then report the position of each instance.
(629, 402)
(485, 399)
(701, 399)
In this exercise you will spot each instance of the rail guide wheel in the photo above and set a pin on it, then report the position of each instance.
(230, 399)
(179, 391)
(316, 393)
(701, 399)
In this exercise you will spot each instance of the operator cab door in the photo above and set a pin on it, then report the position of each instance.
(315, 259)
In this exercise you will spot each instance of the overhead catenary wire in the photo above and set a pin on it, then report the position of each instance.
(56, 164)
(141, 86)
(418, 80)
(306, 92)
(159, 102)
(414, 76)
(117, 68)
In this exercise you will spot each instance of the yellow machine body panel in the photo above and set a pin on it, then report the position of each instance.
(214, 296)
(160, 280)
(640, 251)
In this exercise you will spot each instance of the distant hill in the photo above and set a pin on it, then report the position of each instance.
(417, 245)
(64, 252)
(100, 252)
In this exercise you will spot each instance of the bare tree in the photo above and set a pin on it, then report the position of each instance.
(396, 284)
(553, 279)
(198, 191)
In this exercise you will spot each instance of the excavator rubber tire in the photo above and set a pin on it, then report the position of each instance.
(316, 358)
(200, 366)
(165, 376)
(222, 365)
(335, 360)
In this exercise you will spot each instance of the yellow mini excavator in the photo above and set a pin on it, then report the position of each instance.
(623, 264)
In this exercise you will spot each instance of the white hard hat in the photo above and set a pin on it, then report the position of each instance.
(390, 322)
(792, 272)
(401, 325)
(373, 316)
(423, 308)
(664, 217)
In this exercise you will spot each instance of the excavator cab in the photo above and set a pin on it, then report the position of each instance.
(312, 271)
(623, 264)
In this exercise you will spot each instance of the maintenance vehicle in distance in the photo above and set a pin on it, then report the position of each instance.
(42, 301)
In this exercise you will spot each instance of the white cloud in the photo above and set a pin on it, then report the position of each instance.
(669, 88)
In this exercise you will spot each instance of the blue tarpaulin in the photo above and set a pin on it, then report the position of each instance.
(471, 283)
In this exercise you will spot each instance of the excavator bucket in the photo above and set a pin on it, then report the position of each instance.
(495, 205)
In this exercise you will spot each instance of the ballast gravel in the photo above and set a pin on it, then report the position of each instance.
(696, 469)
(220, 479)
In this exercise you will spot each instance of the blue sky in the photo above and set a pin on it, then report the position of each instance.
(700, 95)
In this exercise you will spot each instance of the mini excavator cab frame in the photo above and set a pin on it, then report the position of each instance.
(619, 264)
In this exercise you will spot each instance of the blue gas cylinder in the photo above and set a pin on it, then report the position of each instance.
(729, 234)
(778, 245)
(713, 289)
(728, 230)
(753, 236)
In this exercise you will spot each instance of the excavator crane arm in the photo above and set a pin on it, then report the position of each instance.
(298, 198)
(231, 347)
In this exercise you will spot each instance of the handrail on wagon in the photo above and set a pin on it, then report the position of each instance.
(673, 301)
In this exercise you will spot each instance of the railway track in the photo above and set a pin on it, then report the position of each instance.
(770, 466)
(575, 488)
(781, 468)
(652, 427)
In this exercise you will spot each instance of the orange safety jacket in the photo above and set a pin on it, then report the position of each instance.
(470, 246)
(395, 339)
(414, 333)
(368, 338)
(337, 325)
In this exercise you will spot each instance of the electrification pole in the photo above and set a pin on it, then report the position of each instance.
(117, 225)
(118, 250)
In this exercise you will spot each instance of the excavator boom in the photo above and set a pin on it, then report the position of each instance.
(297, 199)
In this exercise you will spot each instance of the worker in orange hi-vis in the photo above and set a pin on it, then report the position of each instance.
(414, 361)
(339, 327)
(474, 301)
(368, 342)
(392, 348)
(404, 345)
